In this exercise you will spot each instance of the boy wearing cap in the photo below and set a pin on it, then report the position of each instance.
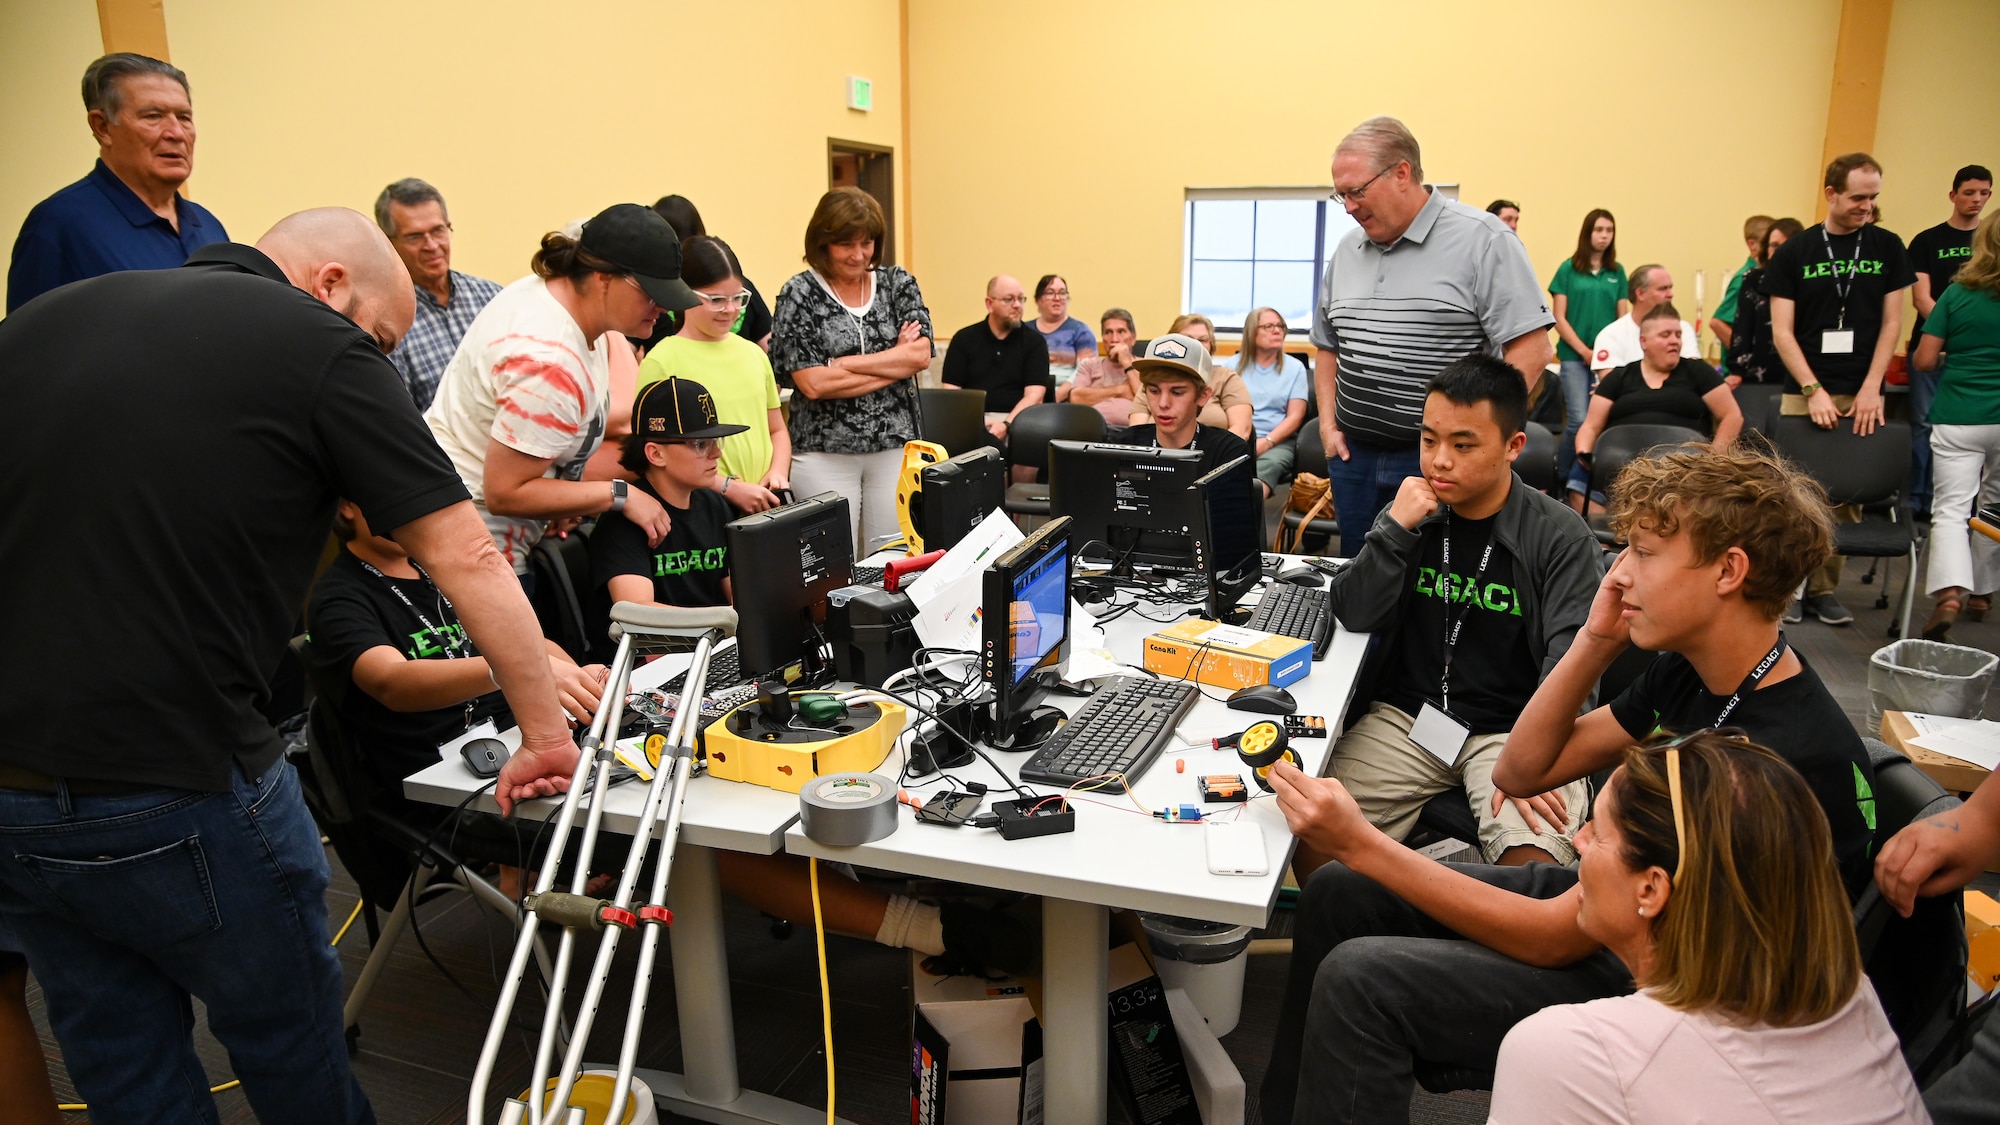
(1175, 373)
(674, 447)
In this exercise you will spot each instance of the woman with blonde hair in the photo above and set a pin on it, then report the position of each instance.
(1277, 386)
(1708, 870)
(1964, 325)
(1229, 407)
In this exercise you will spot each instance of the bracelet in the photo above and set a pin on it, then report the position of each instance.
(726, 482)
(491, 676)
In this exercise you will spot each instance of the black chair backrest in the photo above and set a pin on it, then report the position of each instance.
(564, 599)
(1759, 404)
(1537, 462)
(1853, 470)
(953, 417)
(1034, 428)
(1619, 446)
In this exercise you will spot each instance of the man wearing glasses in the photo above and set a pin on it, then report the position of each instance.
(995, 356)
(412, 213)
(1424, 281)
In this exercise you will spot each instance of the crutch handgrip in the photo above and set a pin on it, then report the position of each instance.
(578, 912)
(673, 621)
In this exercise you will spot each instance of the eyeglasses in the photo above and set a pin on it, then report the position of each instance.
(634, 283)
(1360, 193)
(1063, 293)
(724, 302)
(701, 446)
(417, 238)
(1016, 299)
(1270, 327)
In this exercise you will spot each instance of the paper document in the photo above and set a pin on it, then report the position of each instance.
(1969, 740)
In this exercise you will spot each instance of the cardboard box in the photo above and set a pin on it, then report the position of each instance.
(1955, 775)
(1149, 1072)
(1226, 656)
(976, 1062)
(1982, 937)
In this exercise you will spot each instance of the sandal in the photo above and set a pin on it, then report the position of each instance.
(1976, 607)
(1943, 615)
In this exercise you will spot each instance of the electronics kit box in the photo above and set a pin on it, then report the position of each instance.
(1226, 656)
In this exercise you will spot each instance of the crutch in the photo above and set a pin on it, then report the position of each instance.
(636, 628)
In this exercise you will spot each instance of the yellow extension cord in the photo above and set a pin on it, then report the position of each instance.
(79, 1107)
(825, 994)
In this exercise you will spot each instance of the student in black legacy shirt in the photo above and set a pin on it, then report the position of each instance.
(996, 356)
(1936, 254)
(1718, 542)
(140, 637)
(1473, 585)
(674, 447)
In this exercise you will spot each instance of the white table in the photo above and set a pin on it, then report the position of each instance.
(1113, 859)
(719, 816)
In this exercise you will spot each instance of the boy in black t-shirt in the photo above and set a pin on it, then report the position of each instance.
(674, 447)
(1836, 314)
(1175, 372)
(1936, 254)
(1718, 542)
(1474, 585)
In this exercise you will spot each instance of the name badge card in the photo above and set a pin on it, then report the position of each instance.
(1438, 733)
(1837, 343)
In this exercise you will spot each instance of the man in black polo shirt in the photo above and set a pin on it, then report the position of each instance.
(1836, 314)
(996, 356)
(153, 843)
(1935, 255)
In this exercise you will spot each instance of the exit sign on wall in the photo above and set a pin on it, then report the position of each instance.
(860, 94)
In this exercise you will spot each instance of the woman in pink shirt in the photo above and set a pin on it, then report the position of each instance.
(1708, 869)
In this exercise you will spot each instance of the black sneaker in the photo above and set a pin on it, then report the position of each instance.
(1795, 612)
(1829, 610)
(986, 942)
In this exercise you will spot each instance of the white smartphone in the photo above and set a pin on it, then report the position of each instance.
(1236, 849)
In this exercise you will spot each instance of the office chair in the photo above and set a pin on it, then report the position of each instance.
(1759, 404)
(1028, 444)
(1311, 459)
(1869, 471)
(572, 613)
(953, 417)
(1619, 446)
(1536, 465)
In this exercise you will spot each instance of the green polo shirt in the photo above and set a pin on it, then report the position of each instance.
(1593, 303)
(1968, 321)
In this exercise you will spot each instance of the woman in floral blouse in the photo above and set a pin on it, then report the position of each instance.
(850, 336)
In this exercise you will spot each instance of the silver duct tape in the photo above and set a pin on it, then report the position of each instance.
(845, 809)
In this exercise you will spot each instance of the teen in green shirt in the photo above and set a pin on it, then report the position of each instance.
(1588, 292)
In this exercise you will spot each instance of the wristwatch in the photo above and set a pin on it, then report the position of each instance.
(1809, 389)
(726, 482)
(619, 490)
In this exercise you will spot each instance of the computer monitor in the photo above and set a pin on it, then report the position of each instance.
(782, 564)
(957, 495)
(1131, 504)
(1231, 514)
(1024, 629)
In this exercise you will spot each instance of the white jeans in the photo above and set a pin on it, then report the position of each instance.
(868, 480)
(1965, 464)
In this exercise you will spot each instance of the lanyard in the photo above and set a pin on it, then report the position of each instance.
(1452, 628)
(1840, 290)
(452, 642)
(1750, 683)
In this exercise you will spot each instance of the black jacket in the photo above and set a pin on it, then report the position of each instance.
(1556, 562)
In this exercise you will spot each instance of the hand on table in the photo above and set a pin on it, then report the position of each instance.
(579, 688)
(535, 770)
(1933, 856)
(1321, 812)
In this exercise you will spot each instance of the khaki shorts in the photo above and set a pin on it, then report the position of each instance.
(1391, 778)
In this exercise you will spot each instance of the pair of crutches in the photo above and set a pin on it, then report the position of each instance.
(638, 630)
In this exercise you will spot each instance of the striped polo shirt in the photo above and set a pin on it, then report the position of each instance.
(1458, 281)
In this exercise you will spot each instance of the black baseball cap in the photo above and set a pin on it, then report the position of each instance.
(635, 238)
(676, 409)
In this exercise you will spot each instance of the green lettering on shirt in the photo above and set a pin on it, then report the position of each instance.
(672, 564)
(1864, 796)
(439, 641)
(1495, 597)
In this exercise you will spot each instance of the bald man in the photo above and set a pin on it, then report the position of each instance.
(995, 356)
(153, 843)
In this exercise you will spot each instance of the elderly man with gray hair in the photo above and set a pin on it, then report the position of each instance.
(1426, 280)
(412, 213)
(128, 214)
(1618, 344)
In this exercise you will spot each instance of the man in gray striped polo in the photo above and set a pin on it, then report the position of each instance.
(1425, 281)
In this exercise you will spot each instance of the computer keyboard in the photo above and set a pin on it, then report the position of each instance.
(1121, 729)
(1295, 611)
(867, 576)
(725, 693)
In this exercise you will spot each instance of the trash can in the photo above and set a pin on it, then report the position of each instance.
(1203, 959)
(1931, 677)
(592, 1094)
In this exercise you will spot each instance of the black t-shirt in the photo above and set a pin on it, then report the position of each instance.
(1676, 402)
(354, 610)
(688, 566)
(1493, 670)
(1796, 719)
(1003, 368)
(1812, 268)
(1939, 252)
(154, 575)
(753, 325)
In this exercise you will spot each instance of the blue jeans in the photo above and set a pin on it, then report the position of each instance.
(128, 905)
(1363, 485)
(1923, 392)
(1576, 381)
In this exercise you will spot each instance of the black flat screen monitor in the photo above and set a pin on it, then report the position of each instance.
(1024, 628)
(957, 495)
(1132, 505)
(782, 564)
(1233, 516)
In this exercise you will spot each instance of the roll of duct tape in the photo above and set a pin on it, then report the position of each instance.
(845, 809)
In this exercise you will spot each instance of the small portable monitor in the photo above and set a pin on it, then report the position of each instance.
(1024, 630)
(782, 563)
(1131, 505)
(957, 495)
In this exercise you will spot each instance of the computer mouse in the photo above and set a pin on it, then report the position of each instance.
(1265, 698)
(1303, 576)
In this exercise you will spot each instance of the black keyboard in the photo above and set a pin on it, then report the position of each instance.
(725, 692)
(1120, 730)
(867, 576)
(1295, 611)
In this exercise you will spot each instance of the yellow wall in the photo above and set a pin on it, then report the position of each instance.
(1029, 162)
(44, 47)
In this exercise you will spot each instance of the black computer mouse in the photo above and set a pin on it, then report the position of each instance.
(1303, 576)
(1265, 698)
